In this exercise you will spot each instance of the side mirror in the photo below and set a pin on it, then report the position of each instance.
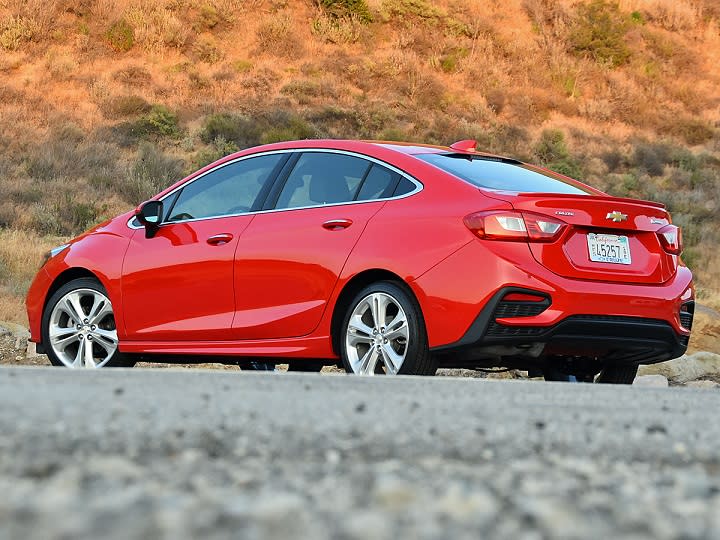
(150, 215)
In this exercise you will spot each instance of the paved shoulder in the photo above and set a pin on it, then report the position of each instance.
(180, 454)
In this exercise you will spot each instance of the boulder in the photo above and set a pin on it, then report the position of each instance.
(656, 381)
(686, 368)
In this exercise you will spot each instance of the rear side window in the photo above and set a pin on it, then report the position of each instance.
(502, 175)
(231, 189)
(379, 183)
(321, 178)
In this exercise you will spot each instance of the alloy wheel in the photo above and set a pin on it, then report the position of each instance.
(377, 335)
(82, 331)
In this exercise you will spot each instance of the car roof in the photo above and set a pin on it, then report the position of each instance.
(407, 148)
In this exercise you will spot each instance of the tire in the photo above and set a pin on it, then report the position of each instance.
(617, 375)
(609, 375)
(75, 333)
(397, 345)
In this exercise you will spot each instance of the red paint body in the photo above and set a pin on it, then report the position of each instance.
(269, 286)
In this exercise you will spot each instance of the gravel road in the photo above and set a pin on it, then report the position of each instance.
(126, 454)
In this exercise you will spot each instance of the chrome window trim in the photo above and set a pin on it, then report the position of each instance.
(418, 185)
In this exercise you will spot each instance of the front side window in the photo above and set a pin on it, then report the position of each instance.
(321, 178)
(228, 190)
(502, 175)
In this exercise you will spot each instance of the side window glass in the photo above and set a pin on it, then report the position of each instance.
(322, 178)
(378, 183)
(405, 186)
(231, 189)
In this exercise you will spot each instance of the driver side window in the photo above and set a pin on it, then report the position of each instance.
(230, 189)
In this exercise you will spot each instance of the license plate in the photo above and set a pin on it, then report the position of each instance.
(609, 248)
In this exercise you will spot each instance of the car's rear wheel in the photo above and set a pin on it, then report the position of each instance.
(383, 332)
(78, 327)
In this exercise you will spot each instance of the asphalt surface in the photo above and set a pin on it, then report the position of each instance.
(172, 454)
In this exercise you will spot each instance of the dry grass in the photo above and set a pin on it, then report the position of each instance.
(21, 254)
(502, 72)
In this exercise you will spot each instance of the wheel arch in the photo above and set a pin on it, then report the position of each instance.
(66, 276)
(353, 286)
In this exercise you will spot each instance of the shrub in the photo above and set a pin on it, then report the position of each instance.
(357, 9)
(218, 149)
(160, 121)
(652, 157)
(337, 29)
(209, 16)
(206, 50)
(599, 31)
(16, 30)
(405, 9)
(692, 130)
(287, 127)
(238, 130)
(276, 37)
(151, 172)
(449, 61)
(123, 106)
(553, 153)
(121, 35)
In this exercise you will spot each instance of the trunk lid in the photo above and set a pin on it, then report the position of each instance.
(595, 224)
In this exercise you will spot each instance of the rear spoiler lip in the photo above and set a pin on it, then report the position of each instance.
(603, 197)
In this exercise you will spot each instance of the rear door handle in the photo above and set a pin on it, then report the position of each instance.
(337, 224)
(219, 239)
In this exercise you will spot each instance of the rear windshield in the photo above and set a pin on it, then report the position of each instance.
(501, 175)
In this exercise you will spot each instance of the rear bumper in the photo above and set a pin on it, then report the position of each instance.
(615, 339)
(622, 322)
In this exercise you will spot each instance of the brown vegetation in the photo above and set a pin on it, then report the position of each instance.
(104, 102)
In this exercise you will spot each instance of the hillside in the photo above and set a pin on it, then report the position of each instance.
(104, 102)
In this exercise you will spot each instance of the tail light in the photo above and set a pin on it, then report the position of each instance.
(671, 239)
(514, 226)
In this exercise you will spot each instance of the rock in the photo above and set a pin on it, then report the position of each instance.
(657, 381)
(31, 351)
(686, 368)
(705, 334)
(702, 384)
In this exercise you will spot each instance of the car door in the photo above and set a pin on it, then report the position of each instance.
(289, 258)
(178, 285)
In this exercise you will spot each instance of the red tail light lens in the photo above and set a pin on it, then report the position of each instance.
(671, 239)
(514, 226)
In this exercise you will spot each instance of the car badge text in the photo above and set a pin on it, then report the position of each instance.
(616, 216)
(564, 213)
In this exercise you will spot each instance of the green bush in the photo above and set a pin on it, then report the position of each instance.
(346, 8)
(218, 149)
(162, 121)
(288, 127)
(238, 130)
(553, 153)
(599, 32)
(121, 35)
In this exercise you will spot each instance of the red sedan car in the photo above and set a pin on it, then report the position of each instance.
(382, 257)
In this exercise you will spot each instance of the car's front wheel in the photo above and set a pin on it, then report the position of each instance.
(78, 327)
(383, 332)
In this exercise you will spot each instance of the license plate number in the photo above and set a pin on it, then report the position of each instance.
(609, 248)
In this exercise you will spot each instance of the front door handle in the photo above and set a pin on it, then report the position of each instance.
(337, 224)
(219, 239)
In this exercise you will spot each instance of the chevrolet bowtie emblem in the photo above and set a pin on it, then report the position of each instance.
(616, 216)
